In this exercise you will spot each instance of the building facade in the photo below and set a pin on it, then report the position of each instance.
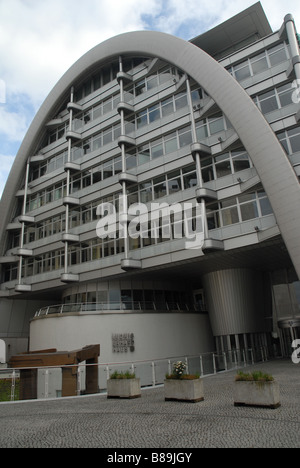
(153, 204)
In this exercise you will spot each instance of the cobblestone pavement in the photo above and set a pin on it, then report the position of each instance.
(150, 422)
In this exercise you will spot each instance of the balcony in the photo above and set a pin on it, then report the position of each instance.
(69, 278)
(129, 264)
(125, 77)
(70, 201)
(71, 238)
(26, 219)
(212, 245)
(70, 166)
(206, 194)
(22, 252)
(130, 179)
(71, 135)
(21, 288)
(126, 108)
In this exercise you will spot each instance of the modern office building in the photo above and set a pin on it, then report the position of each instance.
(193, 150)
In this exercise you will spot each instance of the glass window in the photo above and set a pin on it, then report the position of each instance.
(107, 136)
(249, 211)
(242, 71)
(277, 54)
(285, 94)
(156, 149)
(180, 101)
(201, 130)
(140, 88)
(230, 216)
(143, 154)
(259, 63)
(265, 207)
(295, 142)
(154, 113)
(240, 160)
(167, 107)
(222, 165)
(146, 192)
(141, 119)
(216, 124)
(268, 102)
(171, 143)
(185, 137)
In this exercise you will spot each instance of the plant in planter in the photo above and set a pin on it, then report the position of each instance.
(180, 386)
(123, 385)
(256, 389)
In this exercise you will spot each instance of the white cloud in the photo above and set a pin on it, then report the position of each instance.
(41, 39)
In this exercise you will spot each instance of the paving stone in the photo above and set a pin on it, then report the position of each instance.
(150, 422)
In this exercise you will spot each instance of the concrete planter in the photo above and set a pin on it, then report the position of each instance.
(262, 394)
(123, 388)
(184, 390)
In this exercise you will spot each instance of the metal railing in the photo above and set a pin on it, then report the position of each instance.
(151, 372)
(86, 307)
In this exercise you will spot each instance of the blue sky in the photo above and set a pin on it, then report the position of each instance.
(41, 39)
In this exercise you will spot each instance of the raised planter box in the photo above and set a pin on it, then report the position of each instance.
(259, 394)
(184, 390)
(124, 388)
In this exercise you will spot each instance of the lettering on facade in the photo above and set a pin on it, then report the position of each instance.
(123, 342)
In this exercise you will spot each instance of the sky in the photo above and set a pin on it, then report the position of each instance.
(41, 39)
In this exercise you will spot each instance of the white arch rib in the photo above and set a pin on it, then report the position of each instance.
(273, 167)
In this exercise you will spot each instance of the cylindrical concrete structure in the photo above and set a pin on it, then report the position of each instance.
(235, 301)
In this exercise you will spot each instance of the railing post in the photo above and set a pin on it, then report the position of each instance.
(214, 364)
(153, 374)
(201, 366)
(13, 386)
(46, 383)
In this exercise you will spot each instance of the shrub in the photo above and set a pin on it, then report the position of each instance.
(122, 375)
(255, 376)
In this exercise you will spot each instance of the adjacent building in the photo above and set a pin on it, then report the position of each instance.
(153, 206)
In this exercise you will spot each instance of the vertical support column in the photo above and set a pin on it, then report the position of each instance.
(68, 181)
(197, 157)
(23, 222)
(123, 156)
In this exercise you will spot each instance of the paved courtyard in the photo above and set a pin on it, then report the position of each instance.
(150, 422)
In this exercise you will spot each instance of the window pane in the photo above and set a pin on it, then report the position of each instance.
(265, 207)
(277, 54)
(242, 71)
(216, 125)
(295, 143)
(268, 102)
(223, 168)
(167, 107)
(157, 150)
(185, 137)
(171, 143)
(285, 95)
(259, 63)
(143, 154)
(249, 211)
(230, 216)
(154, 113)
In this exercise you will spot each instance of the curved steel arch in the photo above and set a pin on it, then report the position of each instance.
(273, 167)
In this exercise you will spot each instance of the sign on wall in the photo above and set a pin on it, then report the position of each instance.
(123, 342)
